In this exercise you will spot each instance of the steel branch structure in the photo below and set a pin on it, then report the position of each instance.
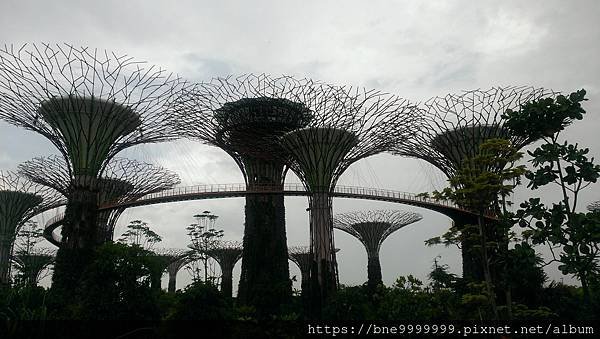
(457, 124)
(227, 254)
(354, 124)
(371, 228)
(90, 104)
(123, 180)
(31, 265)
(454, 128)
(245, 116)
(20, 200)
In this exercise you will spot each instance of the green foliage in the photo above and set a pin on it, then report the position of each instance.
(567, 166)
(116, 285)
(201, 301)
(545, 117)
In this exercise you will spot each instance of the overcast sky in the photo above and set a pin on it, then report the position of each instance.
(416, 49)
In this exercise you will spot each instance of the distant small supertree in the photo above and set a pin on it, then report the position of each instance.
(31, 265)
(174, 267)
(123, 180)
(163, 258)
(372, 228)
(20, 200)
(227, 254)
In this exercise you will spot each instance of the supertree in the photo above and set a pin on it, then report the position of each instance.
(243, 116)
(353, 125)
(226, 253)
(163, 259)
(90, 104)
(122, 180)
(20, 200)
(32, 264)
(371, 228)
(173, 268)
(302, 257)
(594, 206)
(454, 128)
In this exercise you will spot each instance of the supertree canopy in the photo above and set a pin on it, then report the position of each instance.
(20, 200)
(90, 104)
(123, 179)
(227, 254)
(454, 128)
(457, 124)
(372, 228)
(594, 207)
(244, 116)
(32, 264)
(355, 124)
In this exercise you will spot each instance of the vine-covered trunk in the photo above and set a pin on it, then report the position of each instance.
(5, 250)
(323, 273)
(374, 271)
(80, 239)
(486, 267)
(264, 281)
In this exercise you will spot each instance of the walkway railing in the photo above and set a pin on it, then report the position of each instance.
(183, 193)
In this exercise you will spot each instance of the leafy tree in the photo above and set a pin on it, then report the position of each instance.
(204, 237)
(575, 234)
(139, 233)
(482, 185)
(117, 285)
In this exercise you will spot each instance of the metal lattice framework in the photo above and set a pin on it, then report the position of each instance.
(227, 254)
(20, 200)
(245, 116)
(355, 125)
(31, 265)
(457, 124)
(90, 104)
(371, 228)
(123, 180)
(594, 207)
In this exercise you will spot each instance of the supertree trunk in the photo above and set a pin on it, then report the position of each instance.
(374, 271)
(227, 282)
(5, 250)
(172, 282)
(81, 220)
(264, 282)
(323, 272)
